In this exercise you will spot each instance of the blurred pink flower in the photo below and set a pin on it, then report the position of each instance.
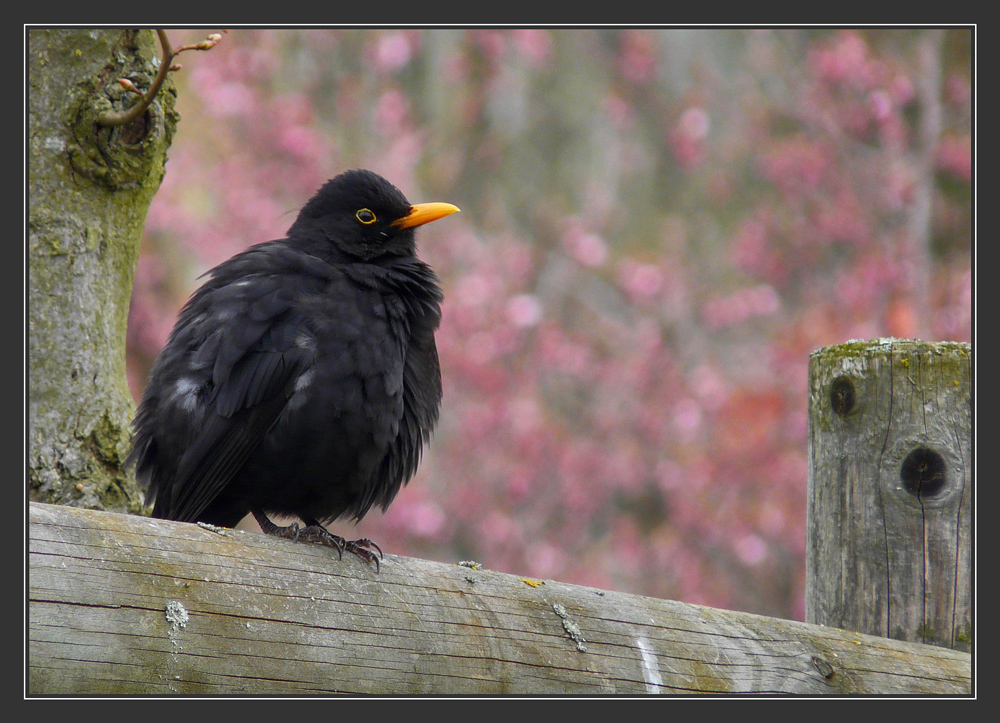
(843, 61)
(741, 306)
(750, 549)
(534, 44)
(694, 123)
(619, 111)
(881, 105)
(500, 529)
(491, 43)
(586, 248)
(637, 56)
(902, 90)
(300, 141)
(687, 417)
(957, 89)
(391, 110)
(231, 100)
(524, 310)
(795, 166)
(954, 155)
(773, 519)
(547, 560)
(749, 249)
(687, 139)
(708, 386)
(393, 51)
(641, 281)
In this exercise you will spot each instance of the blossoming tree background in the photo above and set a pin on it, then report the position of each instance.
(657, 228)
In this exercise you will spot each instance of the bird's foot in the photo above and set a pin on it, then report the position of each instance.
(317, 534)
(289, 532)
(363, 548)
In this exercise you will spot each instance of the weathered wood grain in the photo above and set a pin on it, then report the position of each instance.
(889, 536)
(127, 605)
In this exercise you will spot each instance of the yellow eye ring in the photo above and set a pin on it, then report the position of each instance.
(365, 216)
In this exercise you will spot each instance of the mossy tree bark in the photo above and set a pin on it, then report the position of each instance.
(89, 189)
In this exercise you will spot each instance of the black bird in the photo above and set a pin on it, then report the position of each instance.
(302, 378)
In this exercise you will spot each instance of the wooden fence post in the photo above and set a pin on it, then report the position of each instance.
(889, 535)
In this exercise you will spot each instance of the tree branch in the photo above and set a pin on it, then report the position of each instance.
(167, 55)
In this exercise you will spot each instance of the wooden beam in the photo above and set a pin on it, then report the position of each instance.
(120, 604)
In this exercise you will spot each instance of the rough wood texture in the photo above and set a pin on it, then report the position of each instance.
(889, 545)
(124, 604)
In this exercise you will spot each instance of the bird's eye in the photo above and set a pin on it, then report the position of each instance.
(365, 216)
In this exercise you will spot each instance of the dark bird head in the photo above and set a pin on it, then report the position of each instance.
(365, 217)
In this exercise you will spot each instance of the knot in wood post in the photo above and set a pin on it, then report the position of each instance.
(888, 540)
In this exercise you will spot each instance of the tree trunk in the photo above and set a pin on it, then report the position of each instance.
(89, 189)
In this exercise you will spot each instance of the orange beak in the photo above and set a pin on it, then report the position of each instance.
(422, 213)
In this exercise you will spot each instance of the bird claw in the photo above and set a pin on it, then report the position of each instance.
(319, 535)
(315, 533)
(367, 543)
(361, 548)
(289, 532)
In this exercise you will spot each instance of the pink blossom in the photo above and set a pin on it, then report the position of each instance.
(687, 139)
(524, 415)
(796, 165)
(840, 219)
(587, 248)
(641, 281)
(426, 519)
(392, 51)
(773, 519)
(841, 61)
(954, 155)
(709, 386)
(300, 141)
(500, 529)
(456, 67)
(491, 43)
(618, 111)
(899, 187)
(524, 310)
(957, 89)
(231, 100)
(742, 306)
(749, 248)
(637, 59)
(687, 417)
(694, 123)
(534, 44)
(390, 112)
(881, 105)
(902, 90)
(475, 289)
(669, 475)
(750, 549)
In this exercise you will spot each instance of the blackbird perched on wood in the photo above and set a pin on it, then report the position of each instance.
(302, 379)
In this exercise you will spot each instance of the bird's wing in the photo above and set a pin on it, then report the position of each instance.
(247, 398)
(226, 376)
(421, 383)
